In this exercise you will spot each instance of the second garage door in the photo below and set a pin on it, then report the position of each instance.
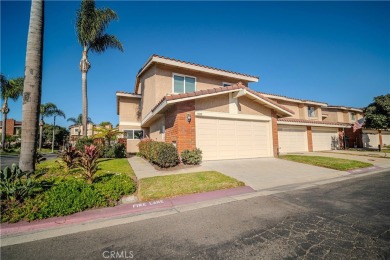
(370, 139)
(233, 139)
(386, 138)
(324, 138)
(292, 139)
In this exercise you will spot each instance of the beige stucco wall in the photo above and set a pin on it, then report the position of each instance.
(250, 107)
(332, 115)
(128, 109)
(148, 91)
(292, 106)
(132, 146)
(219, 103)
(155, 130)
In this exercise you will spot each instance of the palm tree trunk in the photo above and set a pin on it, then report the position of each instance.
(54, 127)
(32, 87)
(4, 111)
(84, 67)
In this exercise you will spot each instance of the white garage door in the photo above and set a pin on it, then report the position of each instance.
(370, 139)
(324, 138)
(292, 138)
(233, 139)
(386, 138)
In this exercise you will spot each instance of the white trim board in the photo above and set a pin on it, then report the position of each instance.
(203, 113)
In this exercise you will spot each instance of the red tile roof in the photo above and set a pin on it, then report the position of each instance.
(124, 92)
(294, 120)
(304, 100)
(195, 64)
(239, 85)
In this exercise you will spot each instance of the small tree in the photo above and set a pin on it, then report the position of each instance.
(377, 114)
(107, 134)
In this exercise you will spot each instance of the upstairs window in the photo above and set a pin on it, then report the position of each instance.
(353, 116)
(183, 84)
(311, 111)
(226, 84)
(133, 134)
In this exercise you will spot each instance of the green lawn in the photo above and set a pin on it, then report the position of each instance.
(385, 150)
(106, 165)
(115, 166)
(180, 184)
(327, 162)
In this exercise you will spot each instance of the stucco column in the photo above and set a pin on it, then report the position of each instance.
(380, 138)
(309, 139)
(275, 137)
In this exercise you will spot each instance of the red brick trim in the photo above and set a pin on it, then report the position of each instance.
(275, 137)
(309, 139)
(177, 127)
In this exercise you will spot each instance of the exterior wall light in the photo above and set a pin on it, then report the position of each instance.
(188, 118)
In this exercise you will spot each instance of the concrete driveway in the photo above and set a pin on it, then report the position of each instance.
(269, 173)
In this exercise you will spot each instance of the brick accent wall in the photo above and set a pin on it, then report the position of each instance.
(178, 129)
(275, 137)
(309, 139)
(353, 137)
(10, 127)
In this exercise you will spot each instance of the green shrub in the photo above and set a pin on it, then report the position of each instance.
(193, 157)
(159, 153)
(114, 186)
(82, 142)
(65, 198)
(16, 184)
(115, 151)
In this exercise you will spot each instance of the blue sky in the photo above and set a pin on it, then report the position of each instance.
(335, 52)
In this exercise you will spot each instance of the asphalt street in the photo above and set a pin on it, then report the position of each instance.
(342, 220)
(8, 160)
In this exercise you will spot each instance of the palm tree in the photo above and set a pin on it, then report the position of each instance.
(90, 28)
(79, 120)
(46, 110)
(107, 134)
(12, 89)
(32, 87)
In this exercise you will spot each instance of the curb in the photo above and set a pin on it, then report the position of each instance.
(12, 234)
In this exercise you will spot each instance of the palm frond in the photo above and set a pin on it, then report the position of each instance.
(85, 27)
(12, 88)
(104, 42)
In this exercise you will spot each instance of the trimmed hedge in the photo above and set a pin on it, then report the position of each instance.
(193, 157)
(162, 154)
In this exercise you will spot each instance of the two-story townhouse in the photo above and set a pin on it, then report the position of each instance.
(75, 132)
(192, 105)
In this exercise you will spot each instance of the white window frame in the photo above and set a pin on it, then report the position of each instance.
(314, 111)
(226, 83)
(143, 136)
(182, 75)
(353, 116)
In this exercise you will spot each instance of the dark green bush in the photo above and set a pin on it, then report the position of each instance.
(66, 198)
(114, 186)
(159, 153)
(115, 151)
(193, 157)
(82, 142)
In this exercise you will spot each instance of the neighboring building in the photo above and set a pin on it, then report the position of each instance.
(192, 105)
(13, 127)
(76, 131)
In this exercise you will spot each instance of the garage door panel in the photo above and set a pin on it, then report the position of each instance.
(232, 139)
(292, 139)
(386, 138)
(324, 138)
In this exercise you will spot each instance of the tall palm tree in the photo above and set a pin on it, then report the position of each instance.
(90, 28)
(32, 87)
(57, 113)
(47, 110)
(10, 89)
